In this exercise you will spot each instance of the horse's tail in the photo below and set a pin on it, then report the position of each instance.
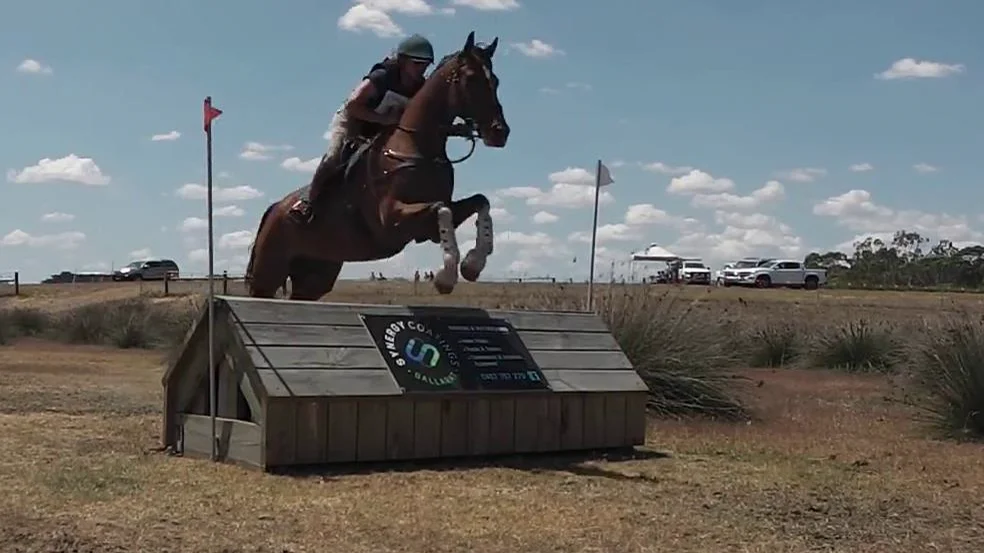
(252, 253)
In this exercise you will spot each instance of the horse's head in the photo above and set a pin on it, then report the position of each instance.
(475, 95)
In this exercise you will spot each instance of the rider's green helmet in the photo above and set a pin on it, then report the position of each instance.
(416, 47)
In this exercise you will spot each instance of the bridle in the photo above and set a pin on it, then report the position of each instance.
(453, 78)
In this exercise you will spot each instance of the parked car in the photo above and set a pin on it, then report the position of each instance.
(729, 274)
(148, 269)
(779, 272)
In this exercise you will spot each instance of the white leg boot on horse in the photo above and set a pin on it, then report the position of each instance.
(447, 276)
(474, 262)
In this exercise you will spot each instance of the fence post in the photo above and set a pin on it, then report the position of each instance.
(16, 283)
(225, 283)
(167, 282)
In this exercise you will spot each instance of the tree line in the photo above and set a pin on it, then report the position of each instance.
(904, 262)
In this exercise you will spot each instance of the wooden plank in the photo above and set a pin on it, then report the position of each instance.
(343, 420)
(371, 444)
(279, 432)
(309, 335)
(399, 429)
(502, 419)
(550, 428)
(329, 382)
(312, 430)
(572, 421)
(478, 426)
(635, 418)
(614, 435)
(255, 310)
(565, 381)
(239, 441)
(272, 334)
(426, 429)
(594, 421)
(527, 414)
(316, 357)
(293, 357)
(454, 427)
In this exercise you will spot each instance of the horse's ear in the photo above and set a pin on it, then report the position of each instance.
(469, 42)
(490, 50)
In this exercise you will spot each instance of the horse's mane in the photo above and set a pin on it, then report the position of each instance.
(452, 55)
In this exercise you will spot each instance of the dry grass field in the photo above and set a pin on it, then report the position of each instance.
(823, 459)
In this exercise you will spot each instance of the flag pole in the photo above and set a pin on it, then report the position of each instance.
(594, 237)
(210, 113)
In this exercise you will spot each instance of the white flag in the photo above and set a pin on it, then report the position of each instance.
(604, 176)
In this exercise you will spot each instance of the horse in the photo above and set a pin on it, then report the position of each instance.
(396, 188)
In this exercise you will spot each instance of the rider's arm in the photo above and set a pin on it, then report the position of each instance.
(356, 106)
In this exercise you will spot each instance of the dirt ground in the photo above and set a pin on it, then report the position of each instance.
(833, 463)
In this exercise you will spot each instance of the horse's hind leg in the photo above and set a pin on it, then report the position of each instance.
(311, 279)
(474, 261)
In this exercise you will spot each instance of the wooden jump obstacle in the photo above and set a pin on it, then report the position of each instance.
(303, 383)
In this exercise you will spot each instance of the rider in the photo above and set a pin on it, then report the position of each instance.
(364, 113)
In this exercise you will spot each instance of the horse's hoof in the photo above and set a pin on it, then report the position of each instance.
(443, 287)
(471, 266)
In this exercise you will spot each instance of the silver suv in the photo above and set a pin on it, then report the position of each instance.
(148, 269)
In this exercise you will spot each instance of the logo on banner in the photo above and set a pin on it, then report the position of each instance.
(422, 352)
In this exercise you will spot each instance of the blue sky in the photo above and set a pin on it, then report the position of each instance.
(731, 128)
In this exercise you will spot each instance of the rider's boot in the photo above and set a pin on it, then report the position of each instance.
(303, 209)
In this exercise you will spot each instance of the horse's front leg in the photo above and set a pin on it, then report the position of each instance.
(474, 261)
(447, 276)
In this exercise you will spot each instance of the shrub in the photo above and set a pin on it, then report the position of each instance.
(22, 321)
(130, 323)
(857, 346)
(772, 345)
(679, 355)
(948, 367)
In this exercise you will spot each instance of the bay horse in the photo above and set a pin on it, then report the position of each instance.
(395, 189)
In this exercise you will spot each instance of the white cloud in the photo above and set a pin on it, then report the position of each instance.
(862, 167)
(256, 151)
(771, 192)
(34, 67)
(804, 174)
(488, 5)
(142, 253)
(608, 233)
(664, 169)
(499, 214)
(360, 18)
(57, 217)
(573, 188)
(743, 235)
(194, 191)
(697, 181)
(228, 211)
(239, 239)
(536, 48)
(925, 168)
(168, 136)
(301, 166)
(544, 217)
(61, 240)
(648, 214)
(855, 210)
(191, 224)
(71, 168)
(909, 68)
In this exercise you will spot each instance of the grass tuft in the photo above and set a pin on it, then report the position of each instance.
(857, 346)
(773, 345)
(677, 353)
(948, 367)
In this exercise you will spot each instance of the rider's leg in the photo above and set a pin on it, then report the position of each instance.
(325, 171)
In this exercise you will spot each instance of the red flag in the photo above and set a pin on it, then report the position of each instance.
(210, 113)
